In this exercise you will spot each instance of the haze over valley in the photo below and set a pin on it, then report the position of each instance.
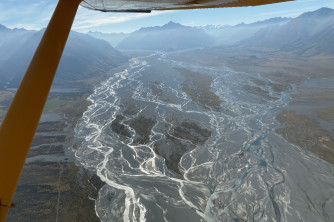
(182, 123)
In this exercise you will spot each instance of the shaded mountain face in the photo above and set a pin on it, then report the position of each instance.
(170, 37)
(309, 34)
(113, 38)
(11, 40)
(2, 28)
(3, 78)
(84, 57)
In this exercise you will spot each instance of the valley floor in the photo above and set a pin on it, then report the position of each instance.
(309, 118)
(52, 187)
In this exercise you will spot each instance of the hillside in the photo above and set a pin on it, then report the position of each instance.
(310, 34)
(84, 57)
(11, 40)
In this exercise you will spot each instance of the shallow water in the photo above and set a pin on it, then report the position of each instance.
(243, 172)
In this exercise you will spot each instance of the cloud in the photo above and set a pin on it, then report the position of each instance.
(36, 14)
(26, 26)
(26, 13)
(86, 18)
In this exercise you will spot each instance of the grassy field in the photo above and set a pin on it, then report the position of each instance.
(54, 103)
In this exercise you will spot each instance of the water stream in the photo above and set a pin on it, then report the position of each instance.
(242, 171)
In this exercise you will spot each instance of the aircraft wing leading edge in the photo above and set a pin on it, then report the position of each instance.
(148, 5)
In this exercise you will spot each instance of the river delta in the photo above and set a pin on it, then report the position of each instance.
(178, 140)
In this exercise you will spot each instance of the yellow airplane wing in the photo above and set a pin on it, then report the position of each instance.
(148, 5)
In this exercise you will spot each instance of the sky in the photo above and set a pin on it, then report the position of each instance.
(35, 14)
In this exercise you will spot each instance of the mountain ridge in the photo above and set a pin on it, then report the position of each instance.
(113, 38)
(297, 36)
(11, 40)
(169, 37)
(84, 57)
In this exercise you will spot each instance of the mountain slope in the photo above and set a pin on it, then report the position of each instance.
(311, 33)
(3, 78)
(169, 37)
(84, 57)
(11, 40)
(113, 38)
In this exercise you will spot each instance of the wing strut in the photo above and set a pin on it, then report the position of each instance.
(19, 125)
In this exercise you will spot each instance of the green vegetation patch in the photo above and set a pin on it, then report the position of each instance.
(54, 103)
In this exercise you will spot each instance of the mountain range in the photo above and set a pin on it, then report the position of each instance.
(11, 40)
(84, 57)
(170, 37)
(228, 35)
(309, 34)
